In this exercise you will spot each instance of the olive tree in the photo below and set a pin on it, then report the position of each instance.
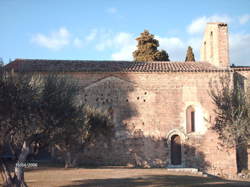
(42, 110)
(232, 114)
(21, 127)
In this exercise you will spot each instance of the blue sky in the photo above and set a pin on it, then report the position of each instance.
(106, 30)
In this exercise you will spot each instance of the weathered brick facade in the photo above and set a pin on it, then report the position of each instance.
(215, 45)
(149, 108)
(150, 104)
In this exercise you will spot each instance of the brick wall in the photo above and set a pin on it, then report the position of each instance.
(148, 109)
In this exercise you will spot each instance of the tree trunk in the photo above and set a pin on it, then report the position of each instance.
(242, 157)
(70, 160)
(20, 165)
(6, 175)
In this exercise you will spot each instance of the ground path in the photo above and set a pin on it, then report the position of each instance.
(120, 177)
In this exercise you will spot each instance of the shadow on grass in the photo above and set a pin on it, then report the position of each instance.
(159, 181)
(56, 166)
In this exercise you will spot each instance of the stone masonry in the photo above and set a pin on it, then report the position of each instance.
(215, 45)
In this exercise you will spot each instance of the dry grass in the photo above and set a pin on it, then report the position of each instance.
(120, 177)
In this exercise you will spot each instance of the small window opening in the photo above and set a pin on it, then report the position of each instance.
(211, 45)
(205, 51)
(190, 118)
(192, 121)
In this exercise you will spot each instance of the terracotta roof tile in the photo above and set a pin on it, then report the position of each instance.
(35, 65)
(241, 68)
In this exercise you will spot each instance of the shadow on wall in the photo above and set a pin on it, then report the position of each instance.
(232, 88)
(195, 158)
(143, 152)
(129, 145)
(117, 94)
(241, 150)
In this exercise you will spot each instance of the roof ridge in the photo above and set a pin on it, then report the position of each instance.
(67, 60)
(40, 65)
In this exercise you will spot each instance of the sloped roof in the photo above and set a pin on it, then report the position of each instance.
(36, 65)
(241, 68)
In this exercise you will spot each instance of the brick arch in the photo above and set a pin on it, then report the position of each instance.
(200, 115)
(176, 132)
(183, 137)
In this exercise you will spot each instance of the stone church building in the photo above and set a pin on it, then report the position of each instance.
(162, 111)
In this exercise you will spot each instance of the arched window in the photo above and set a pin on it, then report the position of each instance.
(190, 119)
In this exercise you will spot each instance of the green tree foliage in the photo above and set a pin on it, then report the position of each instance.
(39, 110)
(1, 62)
(20, 123)
(232, 114)
(72, 140)
(190, 55)
(147, 49)
(62, 113)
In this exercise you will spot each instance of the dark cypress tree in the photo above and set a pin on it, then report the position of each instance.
(190, 55)
(147, 49)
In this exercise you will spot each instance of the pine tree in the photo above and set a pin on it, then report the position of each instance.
(190, 55)
(147, 49)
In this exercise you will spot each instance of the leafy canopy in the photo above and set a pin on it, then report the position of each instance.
(147, 49)
(232, 113)
(190, 55)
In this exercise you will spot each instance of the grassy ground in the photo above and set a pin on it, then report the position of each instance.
(120, 177)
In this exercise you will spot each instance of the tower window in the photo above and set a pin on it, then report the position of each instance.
(190, 119)
(205, 51)
(212, 45)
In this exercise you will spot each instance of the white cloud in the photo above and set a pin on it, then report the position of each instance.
(101, 46)
(177, 47)
(125, 53)
(170, 43)
(198, 25)
(239, 48)
(126, 44)
(123, 38)
(78, 43)
(104, 39)
(173, 46)
(195, 42)
(244, 19)
(56, 40)
(111, 10)
(91, 36)
(122, 43)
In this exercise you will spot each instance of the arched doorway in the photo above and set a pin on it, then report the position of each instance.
(175, 150)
